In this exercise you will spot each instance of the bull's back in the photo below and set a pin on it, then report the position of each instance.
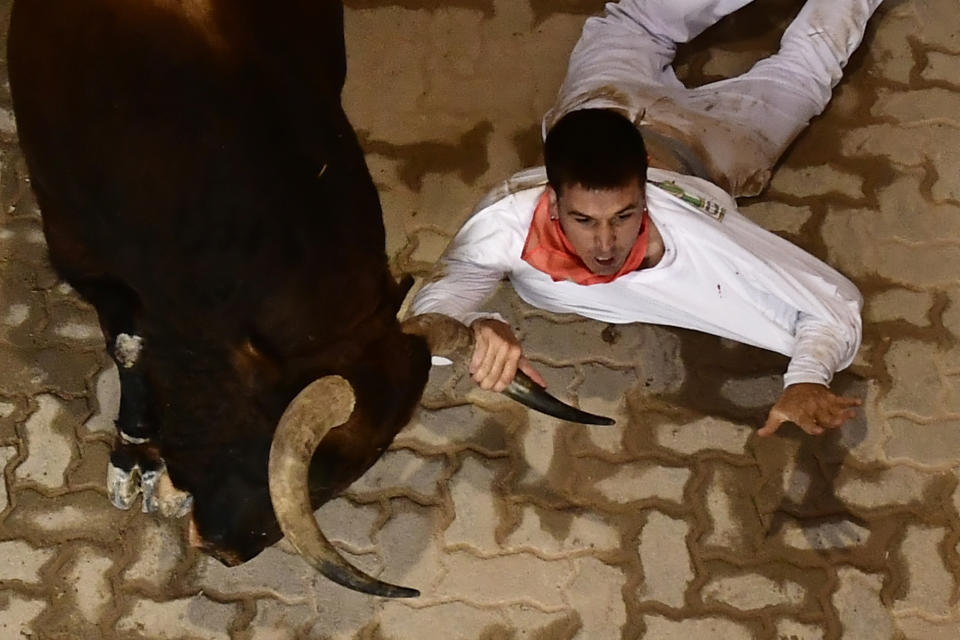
(193, 136)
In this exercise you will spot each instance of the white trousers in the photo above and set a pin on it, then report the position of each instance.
(737, 127)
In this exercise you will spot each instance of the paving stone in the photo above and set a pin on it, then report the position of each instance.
(865, 437)
(87, 579)
(280, 621)
(829, 535)
(792, 630)
(108, 402)
(897, 485)
(726, 530)
(660, 628)
(7, 409)
(20, 561)
(409, 548)
(158, 545)
(911, 106)
(18, 614)
(857, 601)
(452, 429)
(29, 371)
(346, 523)
(795, 480)
(652, 354)
(704, 434)
(539, 442)
(665, 560)
(603, 392)
(951, 315)
(15, 315)
(858, 248)
(338, 612)
(49, 444)
(80, 332)
(899, 304)
(920, 629)
(916, 385)
(196, 617)
(80, 514)
(930, 585)
(526, 622)
(91, 469)
(641, 481)
(596, 594)
(891, 49)
(474, 504)
(569, 341)
(940, 66)
(6, 455)
(753, 591)
(587, 532)
(727, 64)
(933, 443)
(284, 575)
(401, 469)
(480, 580)
(458, 620)
(753, 392)
(816, 180)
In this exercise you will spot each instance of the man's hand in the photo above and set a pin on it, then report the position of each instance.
(812, 407)
(497, 355)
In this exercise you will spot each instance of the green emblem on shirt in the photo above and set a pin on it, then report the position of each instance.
(709, 207)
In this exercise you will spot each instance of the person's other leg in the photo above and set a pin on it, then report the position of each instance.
(632, 44)
(744, 124)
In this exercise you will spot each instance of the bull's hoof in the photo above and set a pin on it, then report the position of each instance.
(137, 470)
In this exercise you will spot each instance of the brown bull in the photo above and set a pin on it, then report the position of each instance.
(202, 187)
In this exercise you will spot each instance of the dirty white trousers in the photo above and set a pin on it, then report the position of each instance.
(738, 127)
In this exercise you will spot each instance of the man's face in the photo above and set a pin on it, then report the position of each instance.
(601, 225)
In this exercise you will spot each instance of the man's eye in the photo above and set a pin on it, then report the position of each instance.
(583, 220)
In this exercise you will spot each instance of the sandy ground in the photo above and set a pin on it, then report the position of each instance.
(679, 522)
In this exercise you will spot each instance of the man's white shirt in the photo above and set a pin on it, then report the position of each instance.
(727, 277)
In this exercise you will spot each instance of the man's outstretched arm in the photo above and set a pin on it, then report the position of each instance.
(822, 348)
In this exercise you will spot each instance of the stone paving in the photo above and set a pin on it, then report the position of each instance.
(678, 522)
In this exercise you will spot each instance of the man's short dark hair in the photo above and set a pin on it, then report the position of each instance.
(595, 148)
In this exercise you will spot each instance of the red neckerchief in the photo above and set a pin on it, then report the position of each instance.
(548, 250)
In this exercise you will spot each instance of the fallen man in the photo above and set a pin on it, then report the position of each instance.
(598, 233)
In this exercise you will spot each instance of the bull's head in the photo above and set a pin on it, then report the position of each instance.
(328, 403)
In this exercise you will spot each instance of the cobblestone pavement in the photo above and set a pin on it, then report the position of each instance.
(678, 522)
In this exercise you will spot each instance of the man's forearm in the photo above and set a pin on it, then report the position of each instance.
(457, 290)
(821, 350)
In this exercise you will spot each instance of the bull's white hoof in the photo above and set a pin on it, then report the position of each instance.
(159, 495)
(122, 486)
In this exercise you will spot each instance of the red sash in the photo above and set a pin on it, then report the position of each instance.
(548, 250)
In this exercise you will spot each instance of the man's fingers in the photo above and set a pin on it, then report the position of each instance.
(525, 366)
(479, 353)
(508, 369)
(774, 420)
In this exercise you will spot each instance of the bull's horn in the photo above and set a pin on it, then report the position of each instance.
(322, 406)
(452, 339)
(529, 393)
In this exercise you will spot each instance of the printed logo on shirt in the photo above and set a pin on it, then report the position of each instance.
(709, 207)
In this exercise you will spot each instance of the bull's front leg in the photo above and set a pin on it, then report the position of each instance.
(135, 466)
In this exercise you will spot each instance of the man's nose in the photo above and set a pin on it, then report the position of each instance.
(606, 238)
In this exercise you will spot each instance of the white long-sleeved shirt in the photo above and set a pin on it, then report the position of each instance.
(727, 277)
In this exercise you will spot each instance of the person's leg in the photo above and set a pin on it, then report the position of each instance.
(742, 125)
(632, 44)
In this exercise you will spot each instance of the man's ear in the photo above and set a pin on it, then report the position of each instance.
(553, 202)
